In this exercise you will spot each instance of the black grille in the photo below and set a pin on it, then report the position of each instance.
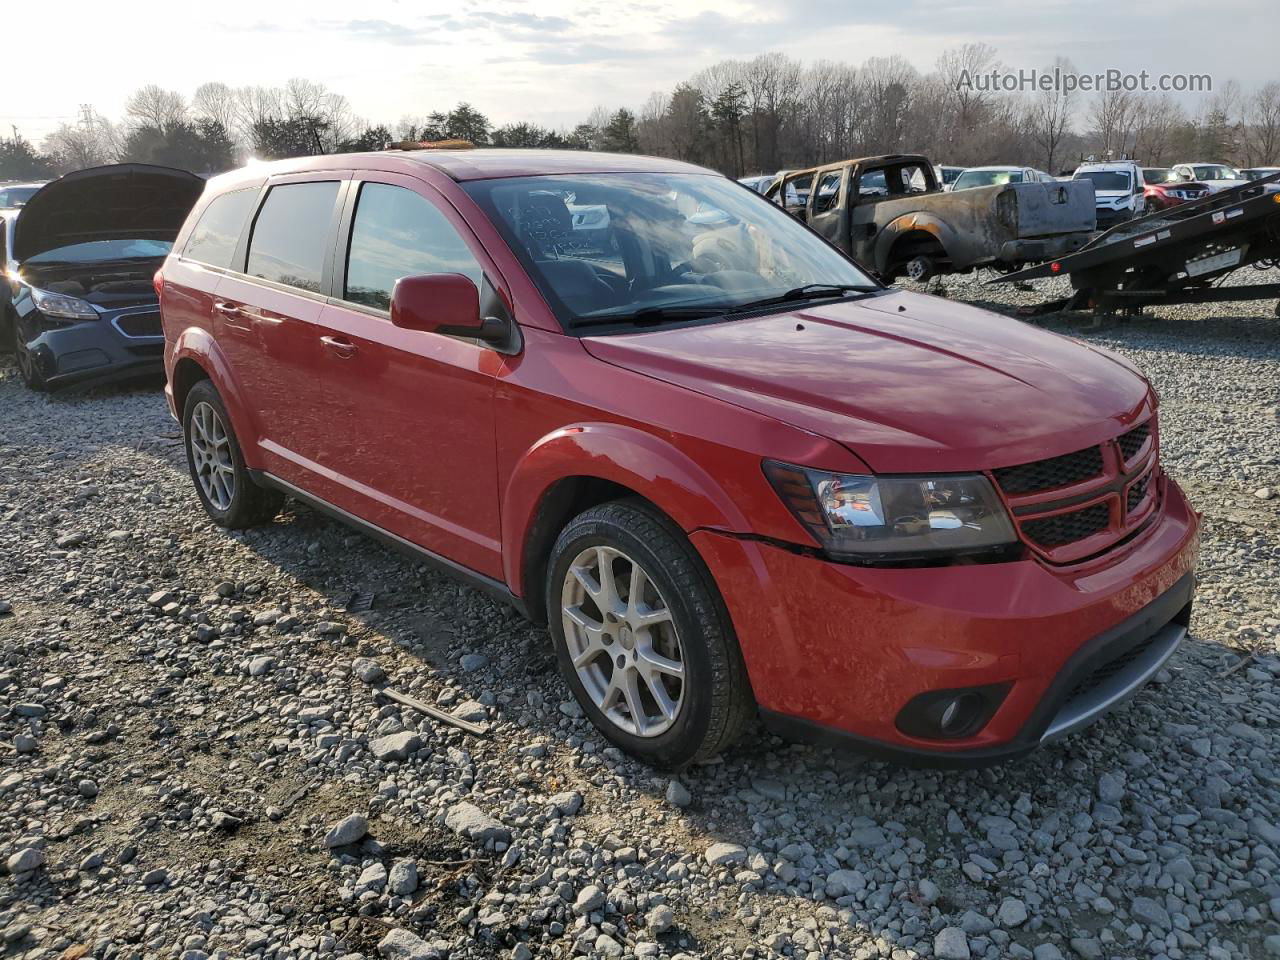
(1131, 442)
(1136, 494)
(1109, 669)
(1068, 527)
(140, 325)
(1047, 474)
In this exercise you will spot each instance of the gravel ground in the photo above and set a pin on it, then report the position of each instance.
(198, 760)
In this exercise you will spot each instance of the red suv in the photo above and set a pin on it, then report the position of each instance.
(731, 471)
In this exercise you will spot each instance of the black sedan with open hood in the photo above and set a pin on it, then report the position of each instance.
(83, 253)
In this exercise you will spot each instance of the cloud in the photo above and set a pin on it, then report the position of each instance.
(384, 31)
(525, 21)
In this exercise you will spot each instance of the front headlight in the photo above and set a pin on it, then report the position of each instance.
(879, 519)
(60, 305)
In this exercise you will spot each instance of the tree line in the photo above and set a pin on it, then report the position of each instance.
(739, 116)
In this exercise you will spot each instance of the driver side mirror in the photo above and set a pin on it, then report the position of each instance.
(1185, 175)
(446, 303)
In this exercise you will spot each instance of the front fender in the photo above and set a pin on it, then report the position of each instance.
(633, 458)
(918, 222)
(198, 346)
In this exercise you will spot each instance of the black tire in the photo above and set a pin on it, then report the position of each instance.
(717, 700)
(921, 269)
(28, 366)
(249, 504)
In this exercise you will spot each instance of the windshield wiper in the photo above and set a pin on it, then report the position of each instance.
(651, 315)
(810, 291)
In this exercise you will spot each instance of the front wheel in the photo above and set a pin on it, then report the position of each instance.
(642, 636)
(222, 481)
(28, 364)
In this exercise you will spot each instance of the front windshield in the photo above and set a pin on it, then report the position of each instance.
(1156, 174)
(1106, 179)
(1261, 172)
(696, 243)
(986, 178)
(98, 251)
(1215, 172)
(16, 196)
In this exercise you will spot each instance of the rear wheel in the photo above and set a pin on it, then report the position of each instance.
(920, 269)
(643, 638)
(223, 483)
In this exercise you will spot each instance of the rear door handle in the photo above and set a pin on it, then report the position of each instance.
(230, 312)
(343, 348)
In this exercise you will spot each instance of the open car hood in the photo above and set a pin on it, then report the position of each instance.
(909, 383)
(124, 201)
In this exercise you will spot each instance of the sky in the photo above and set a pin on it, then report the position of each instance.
(552, 61)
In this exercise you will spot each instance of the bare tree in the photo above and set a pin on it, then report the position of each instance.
(1155, 120)
(217, 102)
(153, 106)
(1049, 119)
(1263, 129)
(1113, 118)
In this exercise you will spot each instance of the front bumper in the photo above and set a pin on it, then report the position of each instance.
(834, 651)
(1108, 216)
(1043, 248)
(116, 346)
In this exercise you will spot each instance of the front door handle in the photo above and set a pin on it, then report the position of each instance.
(337, 345)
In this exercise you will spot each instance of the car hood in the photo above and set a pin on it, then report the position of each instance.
(124, 201)
(1112, 194)
(907, 382)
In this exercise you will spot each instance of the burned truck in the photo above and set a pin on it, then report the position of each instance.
(891, 215)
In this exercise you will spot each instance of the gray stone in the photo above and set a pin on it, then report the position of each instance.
(372, 877)
(153, 878)
(723, 854)
(1110, 788)
(841, 882)
(1047, 951)
(521, 951)
(403, 945)
(951, 944)
(260, 666)
(25, 860)
(87, 789)
(471, 662)
(368, 670)
(345, 831)
(678, 795)
(403, 879)
(1148, 912)
(1012, 912)
(660, 919)
(589, 898)
(473, 823)
(929, 892)
(566, 804)
(606, 946)
(395, 746)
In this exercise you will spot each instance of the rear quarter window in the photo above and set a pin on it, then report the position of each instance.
(213, 239)
(291, 235)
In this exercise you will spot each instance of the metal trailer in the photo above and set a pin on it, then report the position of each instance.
(1178, 255)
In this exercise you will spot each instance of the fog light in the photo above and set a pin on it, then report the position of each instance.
(951, 714)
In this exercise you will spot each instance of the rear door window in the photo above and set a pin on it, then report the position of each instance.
(215, 236)
(398, 233)
(291, 236)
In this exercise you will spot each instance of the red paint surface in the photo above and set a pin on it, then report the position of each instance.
(453, 446)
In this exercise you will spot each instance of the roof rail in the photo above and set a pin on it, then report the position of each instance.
(455, 144)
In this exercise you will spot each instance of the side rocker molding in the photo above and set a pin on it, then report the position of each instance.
(494, 588)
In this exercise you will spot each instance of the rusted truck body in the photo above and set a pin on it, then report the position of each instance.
(890, 214)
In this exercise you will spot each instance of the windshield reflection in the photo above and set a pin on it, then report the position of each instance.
(631, 247)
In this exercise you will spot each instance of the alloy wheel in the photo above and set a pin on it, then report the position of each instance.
(623, 641)
(211, 456)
